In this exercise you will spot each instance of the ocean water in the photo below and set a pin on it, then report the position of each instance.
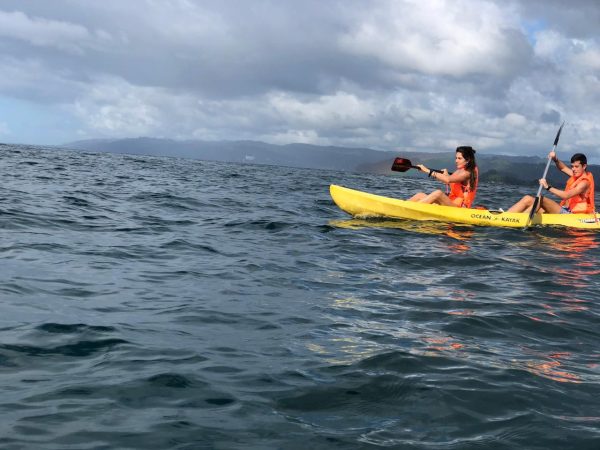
(162, 303)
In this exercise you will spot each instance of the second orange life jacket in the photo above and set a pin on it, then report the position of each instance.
(584, 202)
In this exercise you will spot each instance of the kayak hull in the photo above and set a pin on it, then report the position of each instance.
(365, 205)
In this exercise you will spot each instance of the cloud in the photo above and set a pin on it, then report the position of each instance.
(418, 74)
(113, 107)
(47, 33)
(329, 111)
(578, 18)
(453, 38)
(296, 136)
(32, 79)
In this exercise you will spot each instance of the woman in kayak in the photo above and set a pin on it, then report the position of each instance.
(462, 183)
(577, 197)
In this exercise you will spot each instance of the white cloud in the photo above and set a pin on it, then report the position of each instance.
(32, 79)
(297, 136)
(47, 33)
(185, 23)
(341, 110)
(440, 37)
(515, 120)
(589, 60)
(114, 107)
(549, 43)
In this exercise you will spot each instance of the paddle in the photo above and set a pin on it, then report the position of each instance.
(402, 165)
(538, 197)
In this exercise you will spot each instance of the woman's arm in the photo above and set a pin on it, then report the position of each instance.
(459, 176)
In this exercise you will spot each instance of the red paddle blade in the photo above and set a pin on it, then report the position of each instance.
(401, 165)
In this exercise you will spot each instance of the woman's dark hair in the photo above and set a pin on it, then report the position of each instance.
(468, 153)
(579, 157)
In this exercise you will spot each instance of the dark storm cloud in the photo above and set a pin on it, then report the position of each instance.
(233, 49)
(219, 49)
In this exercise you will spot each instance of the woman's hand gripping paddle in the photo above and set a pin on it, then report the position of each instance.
(538, 197)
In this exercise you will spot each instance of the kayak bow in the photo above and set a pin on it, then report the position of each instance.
(364, 205)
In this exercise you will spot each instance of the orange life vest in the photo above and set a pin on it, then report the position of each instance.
(584, 202)
(461, 194)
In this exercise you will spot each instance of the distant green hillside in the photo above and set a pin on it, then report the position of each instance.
(520, 170)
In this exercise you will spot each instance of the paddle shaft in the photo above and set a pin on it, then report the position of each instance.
(433, 170)
(545, 173)
(539, 192)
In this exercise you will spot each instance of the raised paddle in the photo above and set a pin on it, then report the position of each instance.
(403, 164)
(538, 197)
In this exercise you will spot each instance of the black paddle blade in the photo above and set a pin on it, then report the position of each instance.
(558, 134)
(534, 207)
(402, 165)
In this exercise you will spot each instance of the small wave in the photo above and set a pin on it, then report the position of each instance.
(171, 380)
(259, 224)
(79, 349)
(182, 244)
(62, 328)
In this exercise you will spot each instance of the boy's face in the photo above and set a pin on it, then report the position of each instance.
(577, 168)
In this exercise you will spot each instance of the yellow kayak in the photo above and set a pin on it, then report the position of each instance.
(364, 205)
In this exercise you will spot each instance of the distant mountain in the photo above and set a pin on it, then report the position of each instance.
(292, 155)
(522, 170)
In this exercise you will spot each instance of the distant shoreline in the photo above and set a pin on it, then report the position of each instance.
(514, 170)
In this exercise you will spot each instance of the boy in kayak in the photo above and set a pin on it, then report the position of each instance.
(463, 182)
(576, 198)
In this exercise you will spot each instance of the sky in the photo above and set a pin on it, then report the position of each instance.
(415, 75)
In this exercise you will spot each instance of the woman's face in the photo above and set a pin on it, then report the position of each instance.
(460, 160)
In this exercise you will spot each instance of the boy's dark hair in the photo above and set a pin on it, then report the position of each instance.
(579, 157)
